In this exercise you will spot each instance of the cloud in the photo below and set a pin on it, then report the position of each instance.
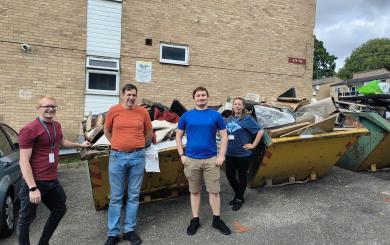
(345, 25)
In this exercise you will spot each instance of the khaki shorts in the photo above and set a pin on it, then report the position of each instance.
(194, 169)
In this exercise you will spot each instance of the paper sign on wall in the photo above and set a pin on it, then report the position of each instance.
(143, 71)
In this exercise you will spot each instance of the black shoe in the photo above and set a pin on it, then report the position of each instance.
(193, 227)
(220, 225)
(237, 204)
(232, 201)
(236, 198)
(132, 237)
(112, 240)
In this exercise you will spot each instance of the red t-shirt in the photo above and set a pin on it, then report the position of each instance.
(34, 136)
(128, 127)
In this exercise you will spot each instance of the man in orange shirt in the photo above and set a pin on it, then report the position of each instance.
(127, 127)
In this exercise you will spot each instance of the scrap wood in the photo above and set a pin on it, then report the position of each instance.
(94, 134)
(99, 120)
(289, 99)
(89, 154)
(88, 124)
(274, 133)
(326, 125)
(283, 104)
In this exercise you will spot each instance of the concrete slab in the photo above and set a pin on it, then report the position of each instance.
(343, 207)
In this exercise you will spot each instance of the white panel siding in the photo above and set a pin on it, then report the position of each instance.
(104, 28)
(99, 103)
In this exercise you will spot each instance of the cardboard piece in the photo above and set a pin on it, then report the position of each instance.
(324, 126)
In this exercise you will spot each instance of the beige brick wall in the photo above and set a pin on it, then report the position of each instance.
(56, 33)
(235, 47)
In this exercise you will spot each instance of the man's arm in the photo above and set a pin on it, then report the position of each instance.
(68, 144)
(222, 147)
(108, 133)
(148, 134)
(179, 144)
(25, 167)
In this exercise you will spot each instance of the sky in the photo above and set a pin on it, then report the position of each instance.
(344, 25)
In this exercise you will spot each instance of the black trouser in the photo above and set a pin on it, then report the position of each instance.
(240, 165)
(54, 197)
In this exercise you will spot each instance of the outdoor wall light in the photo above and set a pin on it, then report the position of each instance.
(25, 47)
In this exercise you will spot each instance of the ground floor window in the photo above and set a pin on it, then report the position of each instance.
(102, 76)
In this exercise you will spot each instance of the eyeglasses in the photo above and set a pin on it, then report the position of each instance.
(54, 107)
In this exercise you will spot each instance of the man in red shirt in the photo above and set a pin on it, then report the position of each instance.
(128, 128)
(39, 143)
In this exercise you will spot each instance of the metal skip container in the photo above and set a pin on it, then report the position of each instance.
(370, 152)
(300, 158)
(169, 182)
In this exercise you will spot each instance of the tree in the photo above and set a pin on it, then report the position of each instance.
(323, 63)
(374, 54)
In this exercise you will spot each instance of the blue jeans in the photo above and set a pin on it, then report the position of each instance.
(124, 165)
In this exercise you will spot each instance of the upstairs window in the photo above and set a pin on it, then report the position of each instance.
(174, 54)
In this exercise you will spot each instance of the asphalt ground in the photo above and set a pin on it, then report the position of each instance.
(343, 207)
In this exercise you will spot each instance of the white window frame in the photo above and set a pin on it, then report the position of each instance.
(98, 91)
(102, 67)
(176, 62)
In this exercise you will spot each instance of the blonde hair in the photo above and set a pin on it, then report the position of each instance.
(45, 97)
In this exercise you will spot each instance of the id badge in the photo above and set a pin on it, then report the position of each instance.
(51, 158)
(231, 137)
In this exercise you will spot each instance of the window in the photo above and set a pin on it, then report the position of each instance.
(337, 90)
(105, 64)
(13, 136)
(102, 76)
(5, 147)
(174, 54)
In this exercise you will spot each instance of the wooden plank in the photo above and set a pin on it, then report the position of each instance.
(326, 125)
(275, 133)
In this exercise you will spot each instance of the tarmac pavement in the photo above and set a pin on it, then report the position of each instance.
(343, 207)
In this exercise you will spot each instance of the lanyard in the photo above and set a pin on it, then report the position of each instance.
(235, 121)
(52, 143)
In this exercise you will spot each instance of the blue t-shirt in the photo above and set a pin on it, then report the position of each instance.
(201, 127)
(243, 131)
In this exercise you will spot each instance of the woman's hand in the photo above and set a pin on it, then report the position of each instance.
(248, 146)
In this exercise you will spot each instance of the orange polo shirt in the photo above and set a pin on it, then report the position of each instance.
(127, 127)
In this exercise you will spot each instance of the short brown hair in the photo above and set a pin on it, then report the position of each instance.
(199, 89)
(129, 87)
(239, 98)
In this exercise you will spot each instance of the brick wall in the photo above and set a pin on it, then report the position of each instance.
(56, 33)
(235, 47)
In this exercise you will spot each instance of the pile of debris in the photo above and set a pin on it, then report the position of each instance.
(164, 122)
(288, 115)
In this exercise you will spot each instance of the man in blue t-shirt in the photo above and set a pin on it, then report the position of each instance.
(201, 158)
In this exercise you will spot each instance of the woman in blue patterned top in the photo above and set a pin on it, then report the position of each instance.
(241, 128)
